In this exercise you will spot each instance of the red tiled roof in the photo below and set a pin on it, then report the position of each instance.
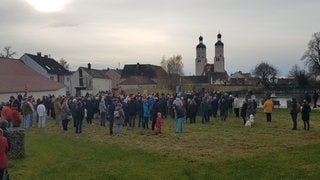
(15, 75)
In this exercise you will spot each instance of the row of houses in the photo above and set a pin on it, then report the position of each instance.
(40, 75)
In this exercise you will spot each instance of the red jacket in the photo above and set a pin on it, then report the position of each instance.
(3, 152)
(6, 113)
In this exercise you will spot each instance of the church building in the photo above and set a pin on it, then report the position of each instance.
(216, 72)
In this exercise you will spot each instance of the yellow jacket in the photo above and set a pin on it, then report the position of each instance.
(268, 106)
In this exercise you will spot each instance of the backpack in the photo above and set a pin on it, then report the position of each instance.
(298, 108)
(180, 112)
(116, 114)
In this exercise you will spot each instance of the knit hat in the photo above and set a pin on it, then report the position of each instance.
(3, 124)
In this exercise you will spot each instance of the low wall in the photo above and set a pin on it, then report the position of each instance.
(17, 150)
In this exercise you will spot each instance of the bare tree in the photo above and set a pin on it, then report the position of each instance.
(300, 76)
(174, 68)
(265, 72)
(64, 63)
(312, 55)
(173, 65)
(7, 52)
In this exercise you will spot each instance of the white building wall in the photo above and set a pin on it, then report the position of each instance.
(74, 82)
(101, 85)
(219, 59)
(141, 87)
(201, 60)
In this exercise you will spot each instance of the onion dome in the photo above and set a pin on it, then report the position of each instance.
(219, 43)
(201, 45)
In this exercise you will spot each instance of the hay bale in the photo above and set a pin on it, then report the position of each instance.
(17, 150)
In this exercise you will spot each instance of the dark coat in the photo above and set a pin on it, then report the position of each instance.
(132, 108)
(79, 112)
(192, 109)
(244, 109)
(305, 112)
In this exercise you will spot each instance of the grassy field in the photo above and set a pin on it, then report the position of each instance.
(216, 150)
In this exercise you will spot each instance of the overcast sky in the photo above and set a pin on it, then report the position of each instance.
(111, 33)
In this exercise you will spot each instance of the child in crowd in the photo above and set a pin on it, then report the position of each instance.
(158, 123)
(119, 118)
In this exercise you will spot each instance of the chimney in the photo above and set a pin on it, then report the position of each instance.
(46, 56)
(39, 54)
(89, 66)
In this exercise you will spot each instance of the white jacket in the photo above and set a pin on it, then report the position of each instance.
(41, 110)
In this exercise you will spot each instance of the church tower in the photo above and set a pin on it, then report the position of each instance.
(219, 56)
(201, 57)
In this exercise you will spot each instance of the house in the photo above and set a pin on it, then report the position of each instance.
(143, 76)
(218, 78)
(48, 67)
(17, 78)
(115, 76)
(195, 80)
(138, 83)
(88, 80)
(240, 78)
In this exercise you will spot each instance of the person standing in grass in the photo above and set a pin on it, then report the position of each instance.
(267, 108)
(65, 114)
(243, 112)
(132, 109)
(154, 110)
(26, 112)
(79, 116)
(179, 111)
(103, 112)
(251, 108)
(204, 108)
(305, 115)
(159, 123)
(224, 106)
(57, 109)
(42, 114)
(146, 114)
(294, 113)
(119, 117)
(236, 105)
(193, 109)
(89, 106)
(111, 105)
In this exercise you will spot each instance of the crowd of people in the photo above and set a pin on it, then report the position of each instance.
(137, 109)
(134, 110)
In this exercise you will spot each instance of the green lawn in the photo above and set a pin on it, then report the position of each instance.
(216, 150)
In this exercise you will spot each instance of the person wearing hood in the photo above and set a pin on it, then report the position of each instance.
(6, 113)
(15, 117)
